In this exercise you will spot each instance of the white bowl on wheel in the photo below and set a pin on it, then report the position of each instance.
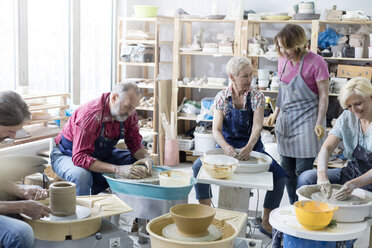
(262, 165)
(344, 213)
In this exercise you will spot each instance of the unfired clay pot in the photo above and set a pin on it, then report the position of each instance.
(62, 198)
(192, 219)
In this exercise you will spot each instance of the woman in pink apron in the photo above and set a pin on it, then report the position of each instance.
(301, 105)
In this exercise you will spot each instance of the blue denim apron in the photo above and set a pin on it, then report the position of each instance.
(105, 151)
(237, 129)
(356, 168)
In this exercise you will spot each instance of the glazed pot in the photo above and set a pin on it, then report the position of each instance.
(62, 198)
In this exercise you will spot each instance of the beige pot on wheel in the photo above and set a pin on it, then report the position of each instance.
(62, 198)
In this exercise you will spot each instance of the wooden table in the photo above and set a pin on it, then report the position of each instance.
(37, 132)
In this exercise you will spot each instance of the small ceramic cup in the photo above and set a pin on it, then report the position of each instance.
(62, 198)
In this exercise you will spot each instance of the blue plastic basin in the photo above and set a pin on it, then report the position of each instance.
(149, 190)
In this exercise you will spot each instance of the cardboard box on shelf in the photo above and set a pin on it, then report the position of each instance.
(350, 71)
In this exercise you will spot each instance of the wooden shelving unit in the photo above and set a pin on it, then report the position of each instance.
(184, 26)
(44, 104)
(149, 70)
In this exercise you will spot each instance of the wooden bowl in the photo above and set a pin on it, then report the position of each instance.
(192, 219)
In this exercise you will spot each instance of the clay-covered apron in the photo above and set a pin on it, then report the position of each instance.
(356, 168)
(297, 118)
(237, 129)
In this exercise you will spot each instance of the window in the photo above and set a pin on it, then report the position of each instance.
(48, 46)
(7, 45)
(95, 48)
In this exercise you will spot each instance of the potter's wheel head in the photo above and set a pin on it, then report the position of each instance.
(171, 232)
(81, 213)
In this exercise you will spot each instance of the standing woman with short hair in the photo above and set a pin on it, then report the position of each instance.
(301, 105)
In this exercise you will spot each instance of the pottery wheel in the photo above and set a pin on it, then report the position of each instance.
(351, 200)
(171, 232)
(81, 213)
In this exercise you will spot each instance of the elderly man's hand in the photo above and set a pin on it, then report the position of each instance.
(345, 191)
(34, 193)
(34, 209)
(131, 171)
(319, 131)
(325, 188)
(147, 162)
(229, 151)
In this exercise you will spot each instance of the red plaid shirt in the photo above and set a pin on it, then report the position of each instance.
(221, 101)
(84, 127)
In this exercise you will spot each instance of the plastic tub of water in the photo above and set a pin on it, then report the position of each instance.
(204, 141)
(174, 178)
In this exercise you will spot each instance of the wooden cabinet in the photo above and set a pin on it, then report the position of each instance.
(143, 71)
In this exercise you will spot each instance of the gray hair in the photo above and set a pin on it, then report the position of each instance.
(121, 88)
(359, 85)
(13, 109)
(236, 64)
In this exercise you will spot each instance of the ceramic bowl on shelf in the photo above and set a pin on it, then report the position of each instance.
(144, 11)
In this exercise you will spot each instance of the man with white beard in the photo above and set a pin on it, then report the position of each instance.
(85, 147)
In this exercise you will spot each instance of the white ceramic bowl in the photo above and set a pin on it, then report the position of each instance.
(264, 161)
(344, 213)
(219, 166)
(174, 178)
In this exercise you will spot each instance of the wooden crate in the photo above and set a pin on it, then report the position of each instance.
(350, 71)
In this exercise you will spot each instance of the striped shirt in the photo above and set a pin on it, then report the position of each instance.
(221, 101)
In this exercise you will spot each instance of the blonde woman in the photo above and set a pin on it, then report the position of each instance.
(354, 128)
(301, 105)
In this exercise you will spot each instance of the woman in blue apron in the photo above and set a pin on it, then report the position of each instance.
(237, 124)
(354, 128)
(301, 105)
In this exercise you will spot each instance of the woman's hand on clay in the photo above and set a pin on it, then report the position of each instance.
(230, 151)
(325, 187)
(244, 154)
(345, 191)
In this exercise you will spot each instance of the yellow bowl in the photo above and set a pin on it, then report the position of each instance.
(219, 166)
(314, 215)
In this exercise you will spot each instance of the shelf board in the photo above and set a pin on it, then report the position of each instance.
(53, 118)
(207, 20)
(146, 132)
(43, 95)
(146, 86)
(145, 108)
(282, 21)
(257, 56)
(151, 42)
(166, 62)
(345, 22)
(207, 54)
(48, 106)
(276, 92)
(137, 64)
(190, 118)
(350, 59)
(166, 42)
(148, 19)
(202, 87)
